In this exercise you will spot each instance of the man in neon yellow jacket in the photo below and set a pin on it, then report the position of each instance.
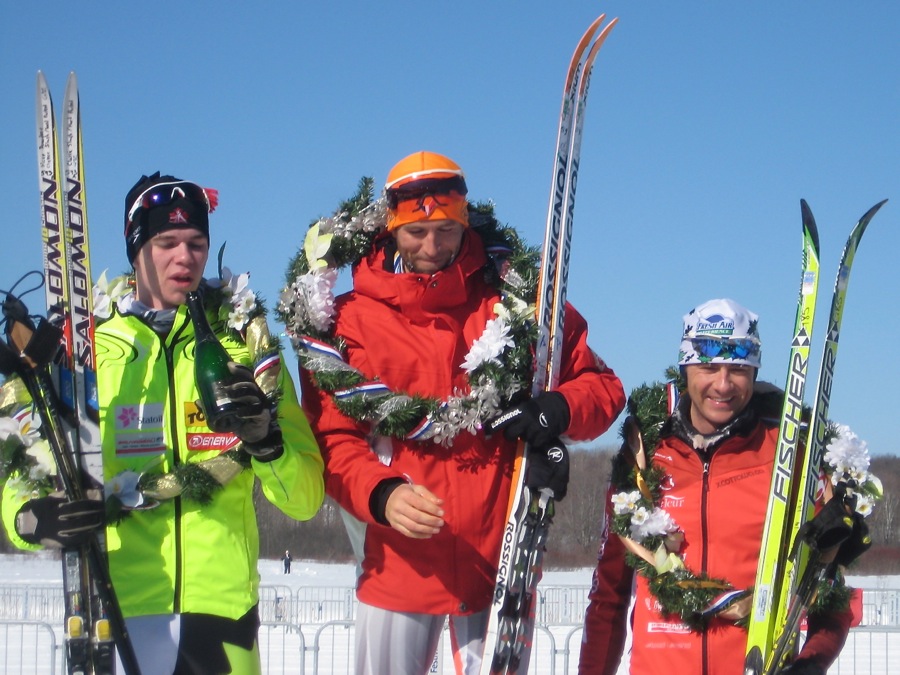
(184, 568)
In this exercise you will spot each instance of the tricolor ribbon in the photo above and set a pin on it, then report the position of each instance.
(367, 389)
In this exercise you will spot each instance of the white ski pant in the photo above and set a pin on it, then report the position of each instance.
(401, 643)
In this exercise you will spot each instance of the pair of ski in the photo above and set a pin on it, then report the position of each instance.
(65, 389)
(512, 612)
(788, 571)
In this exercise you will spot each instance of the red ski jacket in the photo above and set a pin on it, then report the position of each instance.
(719, 501)
(413, 332)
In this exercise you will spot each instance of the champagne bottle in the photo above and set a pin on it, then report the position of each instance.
(211, 371)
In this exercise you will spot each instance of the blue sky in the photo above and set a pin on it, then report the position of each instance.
(707, 123)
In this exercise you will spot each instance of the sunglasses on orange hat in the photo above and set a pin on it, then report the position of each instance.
(417, 189)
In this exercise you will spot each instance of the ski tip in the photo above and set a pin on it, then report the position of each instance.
(809, 223)
(871, 212)
(579, 50)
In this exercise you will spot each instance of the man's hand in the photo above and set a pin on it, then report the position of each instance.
(257, 422)
(538, 421)
(254, 414)
(414, 511)
(56, 522)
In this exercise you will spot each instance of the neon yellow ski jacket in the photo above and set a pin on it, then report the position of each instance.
(182, 556)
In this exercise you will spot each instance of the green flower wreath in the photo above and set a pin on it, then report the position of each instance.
(637, 493)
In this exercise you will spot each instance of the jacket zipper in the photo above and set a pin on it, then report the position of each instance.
(704, 537)
(176, 460)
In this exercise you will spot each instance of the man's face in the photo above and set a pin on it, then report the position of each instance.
(718, 393)
(170, 265)
(429, 246)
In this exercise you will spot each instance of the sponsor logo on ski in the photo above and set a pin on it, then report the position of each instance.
(53, 268)
(828, 361)
(503, 567)
(559, 193)
(787, 444)
(83, 320)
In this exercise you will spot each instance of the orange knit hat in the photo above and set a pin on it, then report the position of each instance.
(426, 186)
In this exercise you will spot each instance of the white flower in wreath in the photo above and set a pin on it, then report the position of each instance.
(489, 346)
(242, 299)
(848, 456)
(125, 487)
(625, 502)
(651, 523)
(864, 505)
(25, 426)
(318, 291)
(44, 464)
(514, 310)
(106, 293)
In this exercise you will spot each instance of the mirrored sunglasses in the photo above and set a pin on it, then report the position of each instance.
(166, 193)
(726, 349)
(417, 189)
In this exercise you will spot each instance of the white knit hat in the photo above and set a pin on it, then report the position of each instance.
(720, 331)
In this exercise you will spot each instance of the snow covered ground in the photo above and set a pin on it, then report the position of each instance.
(318, 598)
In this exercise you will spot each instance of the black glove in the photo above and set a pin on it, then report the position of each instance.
(539, 421)
(548, 467)
(856, 544)
(258, 428)
(802, 667)
(830, 527)
(56, 522)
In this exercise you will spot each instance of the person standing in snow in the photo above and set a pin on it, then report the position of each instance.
(184, 568)
(714, 460)
(434, 513)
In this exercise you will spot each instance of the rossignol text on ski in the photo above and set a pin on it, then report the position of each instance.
(511, 623)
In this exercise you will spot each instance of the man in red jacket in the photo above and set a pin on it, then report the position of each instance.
(434, 512)
(716, 452)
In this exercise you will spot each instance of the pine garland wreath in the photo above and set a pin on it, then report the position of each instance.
(499, 364)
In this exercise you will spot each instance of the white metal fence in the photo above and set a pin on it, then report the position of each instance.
(309, 631)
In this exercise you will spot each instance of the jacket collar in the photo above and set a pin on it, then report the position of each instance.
(421, 294)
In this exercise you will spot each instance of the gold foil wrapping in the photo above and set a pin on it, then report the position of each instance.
(13, 392)
(260, 345)
(223, 468)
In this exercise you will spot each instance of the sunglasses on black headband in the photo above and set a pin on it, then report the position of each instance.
(166, 193)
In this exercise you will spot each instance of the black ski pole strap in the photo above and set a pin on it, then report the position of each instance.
(38, 346)
(10, 362)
